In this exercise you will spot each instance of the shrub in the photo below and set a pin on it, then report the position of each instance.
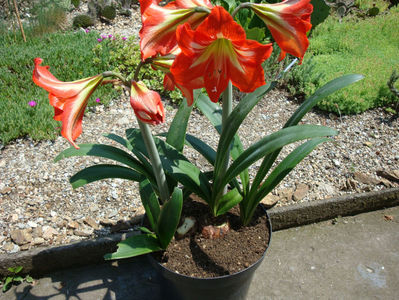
(368, 47)
(49, 16)
(69, 59)
(75, 3)
(83, 21)
(109, 12)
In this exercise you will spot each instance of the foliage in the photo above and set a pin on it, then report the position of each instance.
(365, 46)
(15, 278)
(48, 17)
(75, 3)
(83, 21)
(109, 12)
(382, 5)
(59, 50)
(124, 58)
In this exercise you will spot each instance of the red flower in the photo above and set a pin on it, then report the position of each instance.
(158, 34)
(216, 52)
(288, 22)
(69, 99)
(146, 104)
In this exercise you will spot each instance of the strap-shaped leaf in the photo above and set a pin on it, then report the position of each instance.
(271, 143)
(169, 218)
(201, 147)
(150, 203)
(326, 90)
(228, 201)
(306, 106)
(176, 165)
(103, 171)
(104, 151)
(127, 144)
(234, 121)
(278, 174)
(177, 130)
(134, 246)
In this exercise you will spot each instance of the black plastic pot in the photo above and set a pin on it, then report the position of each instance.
(229, 287)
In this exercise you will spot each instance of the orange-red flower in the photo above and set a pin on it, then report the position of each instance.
(216, 52)
(69, 99)
(288, 22)
(158, 34)
(146, 104)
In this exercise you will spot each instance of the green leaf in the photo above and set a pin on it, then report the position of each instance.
(104, 151)
(145, 230)
(214, 114)
(228, 201)
(203, 148)
(306, 106)
(16, 269)
(271, 143)
(255, 33)
(278, 174)
(7, 283)
(103, 171)
(150, 203)
(326, 90)
(178, 128)
(176, 165)
(134, 246)
(28, 279)
(169, 218)
(18, 279)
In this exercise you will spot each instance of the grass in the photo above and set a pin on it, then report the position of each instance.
(369, 47)
(70, 57)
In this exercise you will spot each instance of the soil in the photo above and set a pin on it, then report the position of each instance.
(196, 256)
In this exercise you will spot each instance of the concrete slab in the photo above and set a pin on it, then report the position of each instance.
(355, 258)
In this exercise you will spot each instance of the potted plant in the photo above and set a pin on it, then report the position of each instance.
(198, 46)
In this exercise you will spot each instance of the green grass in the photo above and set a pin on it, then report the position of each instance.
(69, 56)
(369, 47)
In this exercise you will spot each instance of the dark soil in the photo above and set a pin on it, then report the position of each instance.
(197, 256)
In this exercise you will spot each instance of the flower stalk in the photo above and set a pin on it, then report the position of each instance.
(226, 111)
(155, 161)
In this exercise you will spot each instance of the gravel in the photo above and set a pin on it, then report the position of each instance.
(39, 207)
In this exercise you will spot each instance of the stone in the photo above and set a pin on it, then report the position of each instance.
(83, 232)
(21, 236)
(269, 201)
(32, 224)
(120, 226)
(14, 217)
(91, 222)
(107, 222)
(300, 192)
(48, 232)
(73, 225)
(38, 241)
(327, 188)
(286, 193)
(365, 178)
(6, 190)
(11, 248)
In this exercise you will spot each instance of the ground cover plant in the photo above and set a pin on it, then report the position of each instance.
(368, 47)
(24, 109)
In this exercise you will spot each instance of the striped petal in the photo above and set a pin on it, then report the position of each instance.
(288, 22)
(158, 34)
(146, 104)
(69, 99)
(216, 52)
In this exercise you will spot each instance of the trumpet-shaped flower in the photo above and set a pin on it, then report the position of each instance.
(158, 34)
(216, 52)
(146, 104)
(69, 99)
(288, 22)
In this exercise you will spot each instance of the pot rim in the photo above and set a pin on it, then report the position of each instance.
(254, 265)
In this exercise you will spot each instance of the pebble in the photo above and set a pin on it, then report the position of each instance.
(34, 189)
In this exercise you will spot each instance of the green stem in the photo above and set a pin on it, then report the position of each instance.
(226, 111)
(242, 5)
(155, 161)
(119, 76)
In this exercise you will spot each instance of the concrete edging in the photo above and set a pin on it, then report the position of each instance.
(44, 260)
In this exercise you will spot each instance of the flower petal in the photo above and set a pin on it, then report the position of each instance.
(288, 22)
(146, 104)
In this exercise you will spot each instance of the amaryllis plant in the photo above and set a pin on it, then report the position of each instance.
(199, 47)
